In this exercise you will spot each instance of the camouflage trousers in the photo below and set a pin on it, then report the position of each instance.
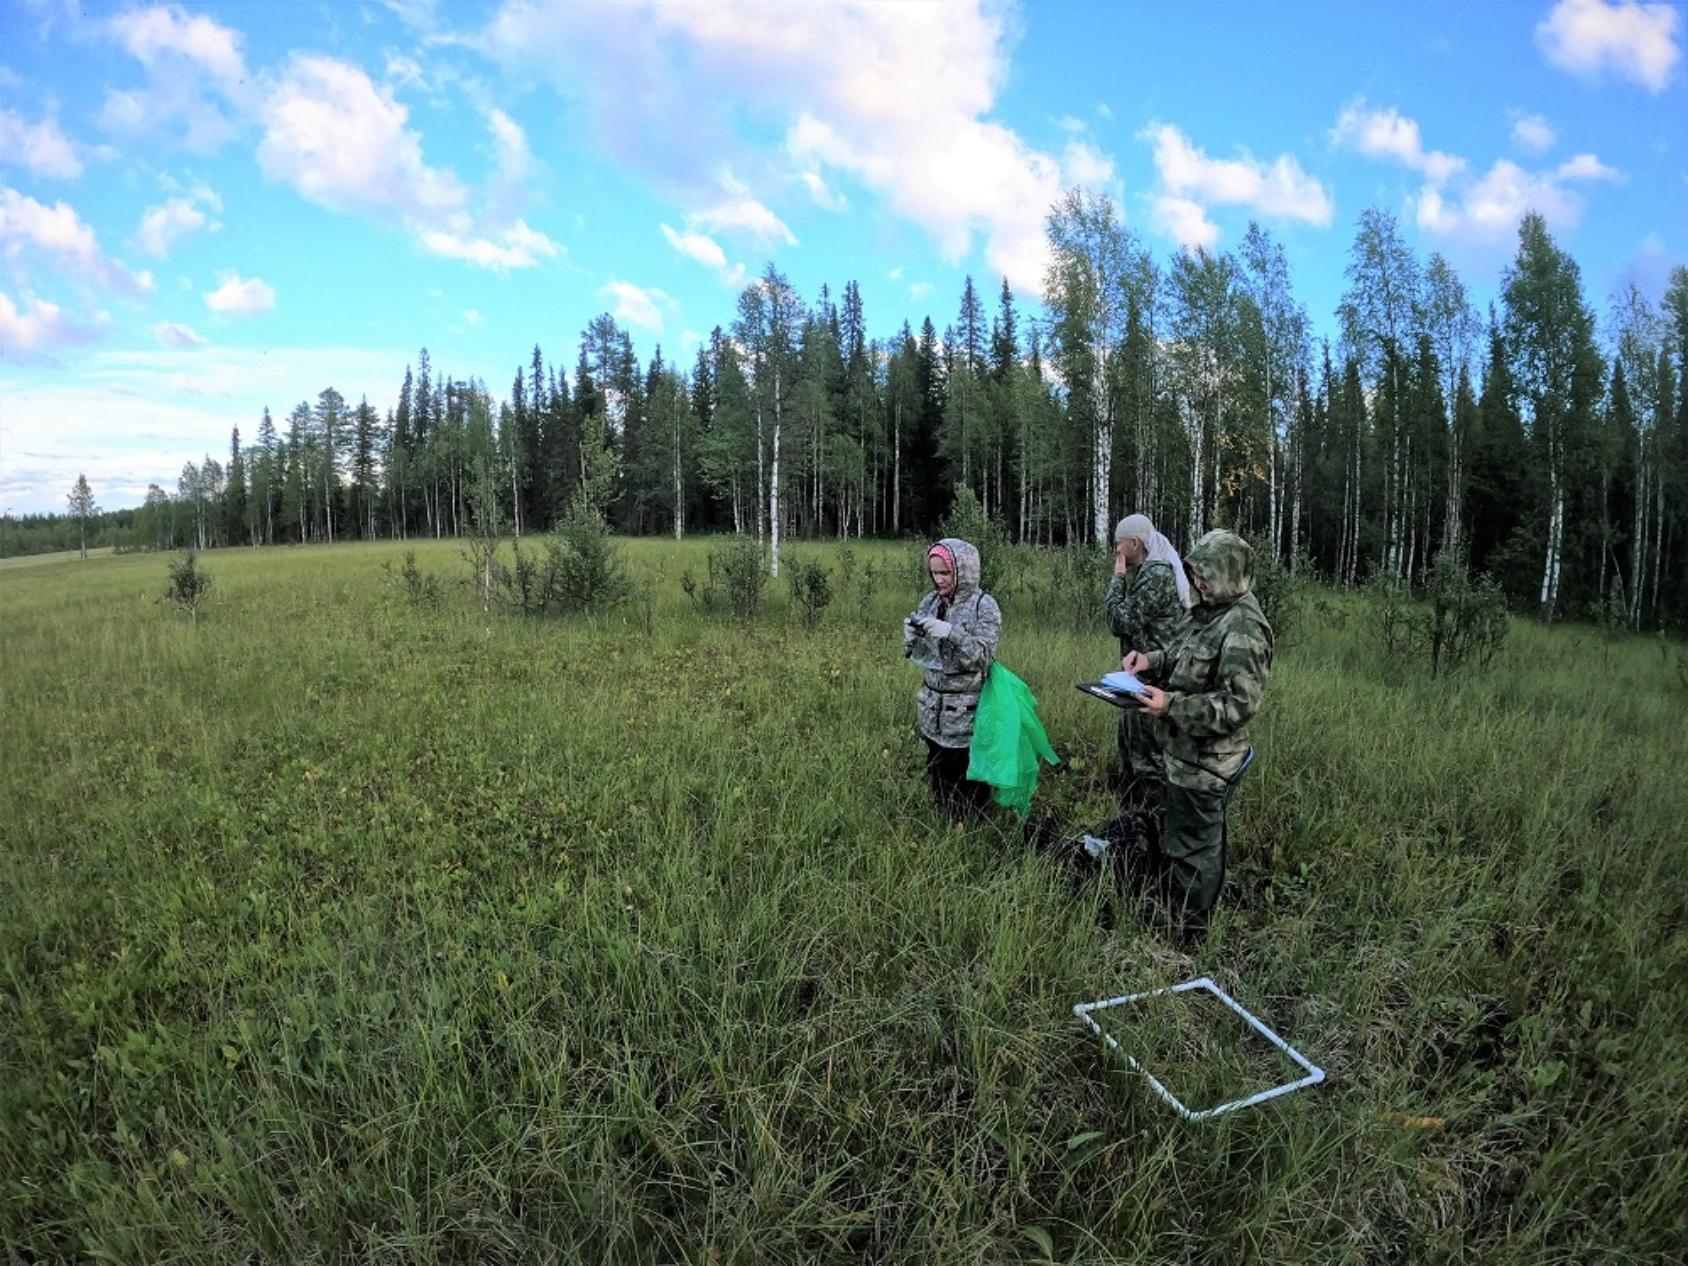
(1193, 844)
(1140, 754)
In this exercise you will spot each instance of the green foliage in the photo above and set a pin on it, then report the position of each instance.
(585, 571)
(1461, 620)
(736, 579)
(1611, 614)
(189, 585)
(810, 586)
(419, 588)
(1001, 565)
(1280, 592)
(1070, 585)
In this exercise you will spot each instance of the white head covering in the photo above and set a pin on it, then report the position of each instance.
(1159, 548)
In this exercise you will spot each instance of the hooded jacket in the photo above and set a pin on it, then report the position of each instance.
(1216, 677)
(949, 696)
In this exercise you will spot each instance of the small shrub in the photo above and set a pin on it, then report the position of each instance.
(701, 594)
(644, 598)
(810, 586)
(1074, 584)
(488, 575)
(866, 585)
(846, 569)
(737, 572)
(419, 588)
(1391, 606)
(1279, 591)
(1461, 620)
(1001, 565)
(585, 571)
(1467, 616)
(525, 579)
(188, 585)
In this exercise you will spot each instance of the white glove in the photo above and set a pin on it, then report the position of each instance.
(935, 628)
(908, 631)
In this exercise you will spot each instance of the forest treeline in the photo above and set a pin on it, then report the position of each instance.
(1544, 441)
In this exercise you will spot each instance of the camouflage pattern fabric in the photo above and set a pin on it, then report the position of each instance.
(949, 696)
(1145, 614)
(1216, 677)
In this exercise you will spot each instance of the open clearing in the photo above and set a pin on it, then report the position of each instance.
(339, 929)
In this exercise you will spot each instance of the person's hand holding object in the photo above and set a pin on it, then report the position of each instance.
(1153, 700)
(1135, 662)
(932, 627)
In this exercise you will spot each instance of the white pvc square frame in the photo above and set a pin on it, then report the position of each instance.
(1314, 1075)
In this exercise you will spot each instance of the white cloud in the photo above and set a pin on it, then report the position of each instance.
(824, 196)
(510, 148)
(238, 296)
(59, 233)
(1487, 210)
(403, 70)
(896, 274)
(1190, 183)
(180, 337)
(474, 319)
(164, 225)
(1104, 111)
(1533, 133)
(1587, 167)
(343, 142)
(1184, 221)
(1634, 41)
(1390, 134)
(40, 328)
(927, 148)
(706, 251)
(742, 215)
(1070, 123)
(154, 34)
(640, 307)
(515, 247)
(38, 147)
(196, 77)
(920, 289)
(1084, 164)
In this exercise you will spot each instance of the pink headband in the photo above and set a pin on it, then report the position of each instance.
(943, 552)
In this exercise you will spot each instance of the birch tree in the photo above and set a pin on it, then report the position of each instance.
(1092, 262)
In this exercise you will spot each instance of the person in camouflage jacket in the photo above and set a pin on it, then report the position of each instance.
(956, 627)
(1212, 685)
(1144, 610)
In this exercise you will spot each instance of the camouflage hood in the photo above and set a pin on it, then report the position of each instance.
(1226, 562)
(966, 558)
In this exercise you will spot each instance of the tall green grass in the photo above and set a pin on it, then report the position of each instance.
(336, 929)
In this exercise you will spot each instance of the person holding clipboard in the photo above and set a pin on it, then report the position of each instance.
(1148, 610)
(1212, 684)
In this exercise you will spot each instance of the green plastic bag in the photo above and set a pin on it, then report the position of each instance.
(1008, 740)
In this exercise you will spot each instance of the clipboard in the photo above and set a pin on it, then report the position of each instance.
(1118, 698)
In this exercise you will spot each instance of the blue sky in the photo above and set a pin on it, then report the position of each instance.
(210, 208)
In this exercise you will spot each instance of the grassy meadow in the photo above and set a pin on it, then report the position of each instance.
(336, 928)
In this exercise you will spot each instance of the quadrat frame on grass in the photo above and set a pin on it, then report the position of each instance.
(1314, 1076)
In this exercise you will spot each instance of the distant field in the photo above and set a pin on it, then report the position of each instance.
(335, 928)
(36, 560)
